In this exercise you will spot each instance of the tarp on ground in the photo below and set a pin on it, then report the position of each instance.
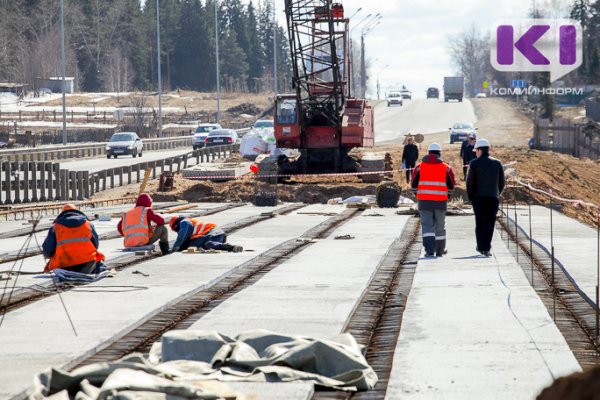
(184, 360)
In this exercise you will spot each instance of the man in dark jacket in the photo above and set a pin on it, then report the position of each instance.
(467, 152)
(144, 226)
(72, 243)
(410, 155)
(485, 182)
(433, 181)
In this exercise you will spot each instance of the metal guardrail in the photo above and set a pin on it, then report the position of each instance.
(84, 150)
(31, 181)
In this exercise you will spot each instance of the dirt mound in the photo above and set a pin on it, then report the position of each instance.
(245, 108)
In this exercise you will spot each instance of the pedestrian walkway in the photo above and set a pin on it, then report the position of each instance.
(575, 243)
(40, 335)
(474, 328)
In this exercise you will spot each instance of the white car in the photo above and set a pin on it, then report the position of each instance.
(394, 98)
(480, 95)
(124, 143)
(201, 133)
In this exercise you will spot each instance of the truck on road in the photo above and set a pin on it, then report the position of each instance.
(454, 88)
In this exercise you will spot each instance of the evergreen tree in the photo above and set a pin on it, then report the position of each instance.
(255, 51)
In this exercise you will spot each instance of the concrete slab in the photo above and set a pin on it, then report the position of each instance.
(112, 249)
(474, 328)
(273, 391)
(38, 336)
(314, 292)
(575, 243)
(220, 171)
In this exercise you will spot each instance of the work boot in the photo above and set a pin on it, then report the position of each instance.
(164, 248)
(440, 248)
(231, 248)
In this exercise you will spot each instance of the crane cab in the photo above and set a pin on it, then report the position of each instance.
(287, 121)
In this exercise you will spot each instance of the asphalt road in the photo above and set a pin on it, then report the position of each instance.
(419, 116)
(98, 164)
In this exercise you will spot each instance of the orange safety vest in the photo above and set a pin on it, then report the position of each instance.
(201, 228)
(432, 182)
(135, 227)
(73, 247)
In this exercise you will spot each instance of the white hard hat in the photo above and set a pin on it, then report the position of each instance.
(434, 147)
(482, 143)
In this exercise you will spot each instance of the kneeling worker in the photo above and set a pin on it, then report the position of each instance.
(72, 243)
(194, 233)
(136, 226)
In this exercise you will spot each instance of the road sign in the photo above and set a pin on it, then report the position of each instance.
(517, 83)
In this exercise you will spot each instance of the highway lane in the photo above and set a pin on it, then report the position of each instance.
(426, 116)
(98, 164)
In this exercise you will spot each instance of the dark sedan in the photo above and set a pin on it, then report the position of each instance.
(433, 93)
(220, 137)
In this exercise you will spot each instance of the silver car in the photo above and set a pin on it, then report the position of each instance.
(201, 133)
(220, 137)
(124, 143)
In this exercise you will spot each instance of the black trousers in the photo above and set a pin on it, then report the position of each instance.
(485, 209)
(409, 171)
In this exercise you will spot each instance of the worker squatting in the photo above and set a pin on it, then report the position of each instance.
(72, 242)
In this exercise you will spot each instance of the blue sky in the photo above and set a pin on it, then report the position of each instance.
(413, 34)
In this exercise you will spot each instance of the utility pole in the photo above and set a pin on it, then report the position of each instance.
(62, 67)
(373, 22)
(378, 86)
(363, 68)
(218, 62)
(160, 132)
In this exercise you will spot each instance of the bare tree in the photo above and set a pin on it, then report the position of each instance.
(140, 107)
(470, 53)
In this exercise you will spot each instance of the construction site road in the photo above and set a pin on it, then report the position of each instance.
(419, 116)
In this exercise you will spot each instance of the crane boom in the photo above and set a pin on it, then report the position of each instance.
(320, 119)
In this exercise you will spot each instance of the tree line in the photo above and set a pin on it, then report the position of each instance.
(111, 45)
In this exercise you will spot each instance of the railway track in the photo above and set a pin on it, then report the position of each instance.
(41, 291)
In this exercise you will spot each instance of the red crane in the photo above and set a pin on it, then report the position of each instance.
(321, 119)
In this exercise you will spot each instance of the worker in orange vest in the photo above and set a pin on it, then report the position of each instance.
(195, 233)
(433, 181)
(72, 243)
(137, 228)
